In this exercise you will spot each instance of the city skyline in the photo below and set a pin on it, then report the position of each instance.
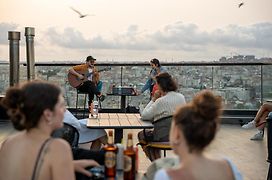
(139, 30)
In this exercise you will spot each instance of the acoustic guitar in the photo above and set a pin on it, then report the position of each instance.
(75, 82)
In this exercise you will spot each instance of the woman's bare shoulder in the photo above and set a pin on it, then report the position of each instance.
(58, 144)
(13, 138)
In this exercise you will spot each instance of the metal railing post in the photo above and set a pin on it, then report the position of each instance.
(261, 84)
(14, 53)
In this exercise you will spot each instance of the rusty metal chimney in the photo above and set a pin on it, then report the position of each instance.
(29, 34)
(14, 52)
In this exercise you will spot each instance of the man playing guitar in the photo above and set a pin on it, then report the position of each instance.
(89, 79)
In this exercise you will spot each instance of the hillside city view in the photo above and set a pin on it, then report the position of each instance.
(239, 85)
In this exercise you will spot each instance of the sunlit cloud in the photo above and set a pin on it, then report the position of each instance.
(173, 41)
(177, 36)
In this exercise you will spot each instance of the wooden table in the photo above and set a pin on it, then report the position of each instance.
(118, 122)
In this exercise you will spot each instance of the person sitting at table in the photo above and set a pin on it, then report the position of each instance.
(259, 121)
(163, 104)
(193, 128)
(36, 109)
(96, 137)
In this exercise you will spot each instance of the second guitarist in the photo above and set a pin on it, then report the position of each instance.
(90, 79)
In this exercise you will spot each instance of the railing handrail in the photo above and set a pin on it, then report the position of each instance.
(106, 63)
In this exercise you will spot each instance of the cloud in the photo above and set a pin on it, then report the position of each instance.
(257, 36)
(177, 36)
(4, 28)
(70, 38)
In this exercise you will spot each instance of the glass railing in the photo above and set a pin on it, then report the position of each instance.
(242, 85)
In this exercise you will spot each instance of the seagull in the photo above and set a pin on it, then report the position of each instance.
(241, 4)
(80, 15)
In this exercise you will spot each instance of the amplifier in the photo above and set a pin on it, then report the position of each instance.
(128, 91)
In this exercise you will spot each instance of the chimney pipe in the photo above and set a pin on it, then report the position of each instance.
(29, 34)
(14, 45)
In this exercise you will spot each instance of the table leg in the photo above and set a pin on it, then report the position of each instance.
(118, 135)
(123, 103)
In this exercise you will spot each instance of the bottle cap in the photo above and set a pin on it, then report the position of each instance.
(129, 135)
(110, 133)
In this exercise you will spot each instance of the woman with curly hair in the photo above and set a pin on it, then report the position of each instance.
(193, 128)
(36, 109)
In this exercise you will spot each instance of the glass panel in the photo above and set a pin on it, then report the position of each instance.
(267, 82)
(4, 77)
(136, 76)
(240, 86)
(111, 75)
(191, 79)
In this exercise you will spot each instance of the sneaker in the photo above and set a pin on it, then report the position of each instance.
(102, 98)
(258, 136)
(249, 125)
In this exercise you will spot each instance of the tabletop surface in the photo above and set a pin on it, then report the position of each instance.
(118, 120)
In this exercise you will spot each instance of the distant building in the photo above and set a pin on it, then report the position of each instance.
(223, 59)
(249, 58)
(238, 58)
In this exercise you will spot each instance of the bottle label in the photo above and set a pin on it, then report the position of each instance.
(127, 163)
(110, 159)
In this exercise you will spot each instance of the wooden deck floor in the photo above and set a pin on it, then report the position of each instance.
(231, 141)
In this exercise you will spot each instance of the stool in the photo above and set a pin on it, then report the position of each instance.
(84, 106)
(164, 146)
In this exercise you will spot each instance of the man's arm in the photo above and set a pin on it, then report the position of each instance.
(72, 71)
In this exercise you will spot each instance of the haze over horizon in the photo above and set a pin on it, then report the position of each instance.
(125, 30)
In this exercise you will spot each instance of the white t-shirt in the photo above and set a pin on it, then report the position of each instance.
(90, 74)
(162, 174)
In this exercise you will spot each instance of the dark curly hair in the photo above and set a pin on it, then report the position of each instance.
(199, 119)
(166, 82)
(156, 62)
(26, 103)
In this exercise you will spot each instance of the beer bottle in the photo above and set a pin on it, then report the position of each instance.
(129, 160)
(110, 157)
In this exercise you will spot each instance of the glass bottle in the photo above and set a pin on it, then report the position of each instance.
(110, 157)
(95, 109)
(129, 160)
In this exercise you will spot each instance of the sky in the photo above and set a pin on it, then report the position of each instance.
(139, 30)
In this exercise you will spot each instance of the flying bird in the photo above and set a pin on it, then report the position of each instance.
(241, 4)
(80, 15)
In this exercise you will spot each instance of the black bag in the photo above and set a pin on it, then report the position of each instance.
(132, 109)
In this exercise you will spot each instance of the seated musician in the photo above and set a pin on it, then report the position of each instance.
(90, 78)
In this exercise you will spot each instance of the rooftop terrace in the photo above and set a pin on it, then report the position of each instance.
(244, 86)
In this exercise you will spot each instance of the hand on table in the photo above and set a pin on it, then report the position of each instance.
(80, 165)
